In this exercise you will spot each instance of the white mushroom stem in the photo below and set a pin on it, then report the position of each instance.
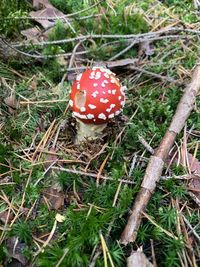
(88, 131)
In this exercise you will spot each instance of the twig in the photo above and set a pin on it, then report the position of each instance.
(195, 198)
(132, 165)
(191, 228)
(40, 56)
(93, 258)
(66, 250)
(123, 51)
(156, 163)
(81, 38)
(108, 64)
(101, 169)
(153, 254)
(42, 102)
(134, 38)
(19, 51)
(158, 76)
(74, 53)
(150, 36)
(91, 175)
(146, 145)
(159, 227)
(106, 252)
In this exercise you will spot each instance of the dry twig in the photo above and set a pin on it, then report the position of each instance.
(156, 163)
(93, 175)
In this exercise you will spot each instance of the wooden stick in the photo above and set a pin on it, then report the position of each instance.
(156, 163)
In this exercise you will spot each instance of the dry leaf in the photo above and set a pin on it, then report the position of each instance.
(194, 186)
(145, 49)
(11, 102)
(138, 259)
(194, 164)
(38, 4)
(53, 198)
(36, 35)
(32, 34)
(49, 11)
(15, 250)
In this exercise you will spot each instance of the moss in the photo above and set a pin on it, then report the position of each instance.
(68, 6)
(16, 8)
(88, 210)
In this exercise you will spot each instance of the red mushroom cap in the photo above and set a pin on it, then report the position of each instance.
(97, 96)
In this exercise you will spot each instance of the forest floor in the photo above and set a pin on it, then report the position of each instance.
(63, 204)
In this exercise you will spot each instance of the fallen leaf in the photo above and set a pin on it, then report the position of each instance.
(35, 34)
(11, 102)
(49, 11)
(138, 259)
(32, 34)
(38, 4)
(53, 198)
(194, 164)
(15, 250)
(194, 186)
(145, 49)
(46, 10)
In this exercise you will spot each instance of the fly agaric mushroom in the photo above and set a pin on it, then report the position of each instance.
(96, 97)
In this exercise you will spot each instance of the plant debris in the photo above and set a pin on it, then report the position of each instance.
(15, 250)
(63, 204)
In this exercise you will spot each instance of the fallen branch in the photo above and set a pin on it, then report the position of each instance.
(93, 175)
(155, 75)
(137, 38)
(156, 163)
(38, 55)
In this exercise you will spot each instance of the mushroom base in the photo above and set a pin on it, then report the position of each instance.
(88, 131)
